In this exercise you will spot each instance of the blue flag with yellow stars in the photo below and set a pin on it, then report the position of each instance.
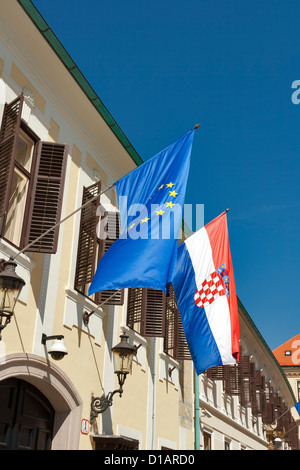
(151, 199)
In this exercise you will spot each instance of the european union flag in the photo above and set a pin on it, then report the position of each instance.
(297, 406)
(151, 199)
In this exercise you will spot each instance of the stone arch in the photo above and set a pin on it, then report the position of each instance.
(57, 387)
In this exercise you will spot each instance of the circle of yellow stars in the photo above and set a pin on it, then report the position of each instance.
(172, 194)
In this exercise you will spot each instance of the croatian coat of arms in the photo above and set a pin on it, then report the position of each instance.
(214, 286)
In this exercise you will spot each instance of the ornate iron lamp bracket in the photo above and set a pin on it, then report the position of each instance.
(100, 404)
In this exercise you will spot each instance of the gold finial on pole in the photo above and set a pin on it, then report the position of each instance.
(196, 126)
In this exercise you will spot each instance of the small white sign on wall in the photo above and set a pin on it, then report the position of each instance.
(85, 426)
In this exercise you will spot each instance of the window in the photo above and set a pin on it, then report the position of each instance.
(32, 177)
(151, 313)
(19, 189)
(175, 343)
(97, 233)
(207, 441)
(146, 311)
(226, 445)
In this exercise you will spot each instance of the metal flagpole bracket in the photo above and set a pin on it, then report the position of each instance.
(86, 315)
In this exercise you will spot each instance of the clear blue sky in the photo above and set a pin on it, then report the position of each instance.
(162, 66)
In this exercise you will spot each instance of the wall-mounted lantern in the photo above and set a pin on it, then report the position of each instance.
(122, 355)
(10, 287)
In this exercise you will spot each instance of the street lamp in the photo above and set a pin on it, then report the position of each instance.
(123, 354)
(10, 287)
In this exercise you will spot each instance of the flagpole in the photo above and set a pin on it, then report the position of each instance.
(61, 221)
(291, 429)
(196, 126)
(281, 415)
(86, 315)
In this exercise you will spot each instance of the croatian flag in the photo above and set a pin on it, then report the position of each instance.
(206, 296)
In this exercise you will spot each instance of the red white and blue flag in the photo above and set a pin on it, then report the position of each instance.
(206, 296)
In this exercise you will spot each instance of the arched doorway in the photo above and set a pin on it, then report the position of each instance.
(55, 387)
(26, 417)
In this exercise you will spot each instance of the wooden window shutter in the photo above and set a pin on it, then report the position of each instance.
(46, 196)
(260, 389)
(153, 313)
(182, 351)
(134, 308)
(279, 409)
(110, 228)
(111, 225)
(169, 339)
(87, 247)
(216, 373)
(175, 342)
(146, 311)
(253, 390)
(268, 405)
(245, 381)
(232, 379)
(8, 139)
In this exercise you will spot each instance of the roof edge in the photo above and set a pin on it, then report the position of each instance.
(78, 76)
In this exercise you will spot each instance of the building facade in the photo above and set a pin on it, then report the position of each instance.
(241, 405)
(288, 356)
(59, 149)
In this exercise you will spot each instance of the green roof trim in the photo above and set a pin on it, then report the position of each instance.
(242, 308)
(71, 66)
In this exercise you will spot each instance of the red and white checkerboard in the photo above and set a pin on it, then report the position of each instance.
(210, 289)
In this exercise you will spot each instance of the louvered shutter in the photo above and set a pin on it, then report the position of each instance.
(232, 380)
(182, 351)
(146, 311)
(153, 313)
(279, 409)
(169, 339)
(253, 390)
(46, 196)
(134, 308)
(87, 246)
(245, 381)
(8, 139)
(175, 342)
(260, 388)
(268, 405)
(216, 373)
(110, 226)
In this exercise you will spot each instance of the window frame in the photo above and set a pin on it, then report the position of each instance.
(33, 137)
(13, 127)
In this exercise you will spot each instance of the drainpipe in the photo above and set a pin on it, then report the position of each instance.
(197, 413)
(153, 373)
